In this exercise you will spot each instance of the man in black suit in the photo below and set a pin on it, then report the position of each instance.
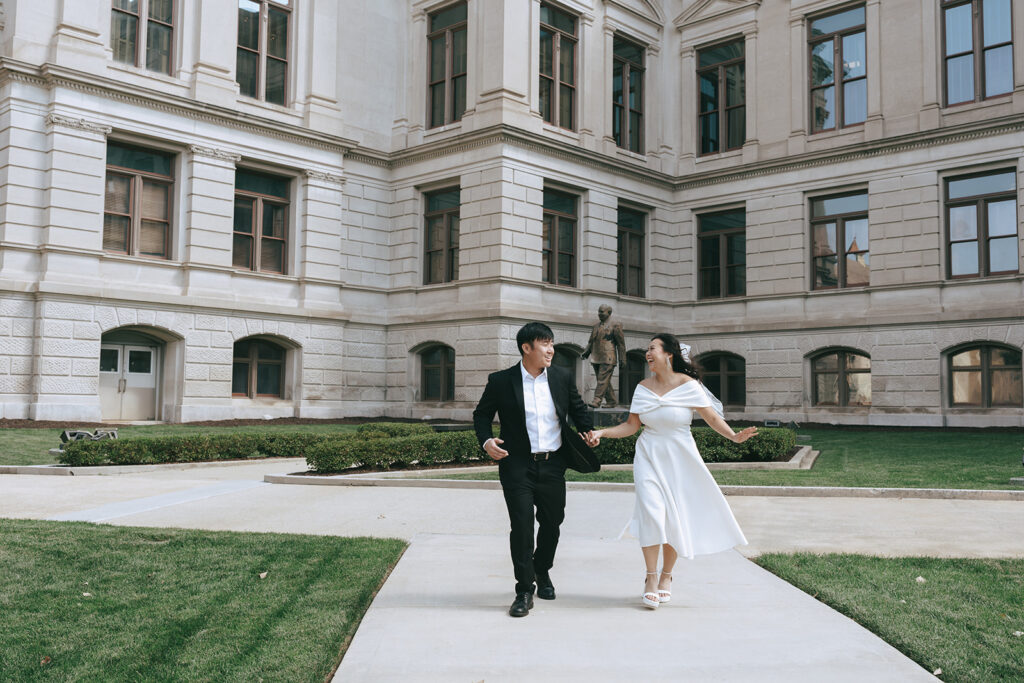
(532, 400)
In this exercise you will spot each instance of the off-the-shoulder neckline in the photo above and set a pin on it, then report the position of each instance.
(654, 393)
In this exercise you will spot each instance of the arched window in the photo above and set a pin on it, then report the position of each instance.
(257, 369)
(437, 378)
(566, 357)
(985, 376)
(636, 370)
(841, 378)
(725, 374)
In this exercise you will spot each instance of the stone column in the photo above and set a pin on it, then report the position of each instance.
(210, 220)
(798, 85)
(320, 99)
(77, 42)
(320, 223)
(688, 108)
(874, 124)
(214, 67)
(750, 146)
(599, 242)
(587, 105)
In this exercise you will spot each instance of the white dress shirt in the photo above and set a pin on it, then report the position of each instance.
(541, 418)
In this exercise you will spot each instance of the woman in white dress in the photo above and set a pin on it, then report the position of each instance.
(679, 508)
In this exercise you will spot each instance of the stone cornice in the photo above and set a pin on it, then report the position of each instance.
(325, 177)
(220, 154)
(51, 75)
(56, 120)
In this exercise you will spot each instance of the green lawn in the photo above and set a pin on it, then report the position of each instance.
(962, 619)
(102, 603)
(31, 446)
(876, 458)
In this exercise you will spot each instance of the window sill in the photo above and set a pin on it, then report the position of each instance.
(717, 156)
(440, 130)
(147, 74)
(994, 101)
(852, 131)
(149, 260)
(265, 276)
(562, 132)
(629, 155)
(267, 107)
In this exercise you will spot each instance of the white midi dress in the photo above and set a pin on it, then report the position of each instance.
(677, 500)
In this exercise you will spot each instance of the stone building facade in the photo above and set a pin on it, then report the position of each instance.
(219, 209)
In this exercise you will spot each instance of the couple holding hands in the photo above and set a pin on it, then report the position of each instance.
(679, 508)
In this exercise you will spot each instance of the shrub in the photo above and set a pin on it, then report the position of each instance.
(769, 444)
(395, 428)
(424, 449)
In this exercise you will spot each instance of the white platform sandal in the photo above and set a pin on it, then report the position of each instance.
(650, 598)
(663, 594)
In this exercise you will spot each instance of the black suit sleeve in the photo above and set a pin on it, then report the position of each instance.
(578, 410)
(483, 415)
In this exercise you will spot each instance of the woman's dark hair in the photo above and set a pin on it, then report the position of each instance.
(670, 344)
(531, 332)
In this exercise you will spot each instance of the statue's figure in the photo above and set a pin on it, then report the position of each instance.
(608, 348)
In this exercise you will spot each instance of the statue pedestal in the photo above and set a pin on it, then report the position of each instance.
(609, 417)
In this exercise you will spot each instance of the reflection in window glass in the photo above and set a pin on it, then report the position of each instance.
(109, 360)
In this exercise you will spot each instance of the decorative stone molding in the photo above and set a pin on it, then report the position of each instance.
(325, 177)
(219, 154)
(60, 120)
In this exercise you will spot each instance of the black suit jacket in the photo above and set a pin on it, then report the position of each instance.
(503, 396)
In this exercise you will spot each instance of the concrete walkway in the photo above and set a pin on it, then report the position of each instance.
(441, 615)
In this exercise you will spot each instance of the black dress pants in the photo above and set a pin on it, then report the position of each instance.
(529, 485)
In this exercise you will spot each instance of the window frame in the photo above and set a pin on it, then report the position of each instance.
(449, 253)
(551, 220)
(985, 368)
(633, 239)
(841, 372)
(722, 109)
(977, 52)
(446, 373)
(141, 41)
(722, 235)
(262, 51)
(448, 80)
(253, 361)
(723, 375)
(840, 219)
(624, 139)
(137, 179)
(838, 84)
(982, 234)
(259, 200)
(555, 78)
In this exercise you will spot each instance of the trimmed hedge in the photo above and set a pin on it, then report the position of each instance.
(380, 446)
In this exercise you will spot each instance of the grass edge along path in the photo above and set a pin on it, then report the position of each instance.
(96, 602)
(961, 618)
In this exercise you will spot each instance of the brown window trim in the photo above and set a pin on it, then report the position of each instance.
(255, 256)
(982, 238)
(141, 42)
(723, 373)
(978, 52)
(551, 222)
(450, 115)
(840, 220)
(633, 240)
(558, 36)
(253, 361)
(624, 138)
(841, 372)
(837, 59)
(446, 373)
(985, 369)
(722, 266)
(262, 53)
(136, 180)
(448, 251)
(721, 111)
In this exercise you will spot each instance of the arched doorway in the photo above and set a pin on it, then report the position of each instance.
(131, 364)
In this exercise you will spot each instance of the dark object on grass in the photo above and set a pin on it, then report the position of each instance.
(85, 435)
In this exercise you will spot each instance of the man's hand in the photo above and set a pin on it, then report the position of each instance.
(492, 449)
(591, 438)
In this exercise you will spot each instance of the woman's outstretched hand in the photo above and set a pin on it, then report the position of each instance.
(593, 438)
(744, 435)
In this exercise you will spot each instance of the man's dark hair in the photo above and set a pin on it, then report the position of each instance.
(531, 332)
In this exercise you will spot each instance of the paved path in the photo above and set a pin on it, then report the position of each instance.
(441, 615)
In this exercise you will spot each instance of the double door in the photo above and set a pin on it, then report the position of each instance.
(128, 381)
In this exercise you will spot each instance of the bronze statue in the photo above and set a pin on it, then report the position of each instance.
(608, 347)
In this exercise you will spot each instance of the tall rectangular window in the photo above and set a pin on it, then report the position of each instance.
(839, 76)
(558, 66)
(628, 94)
(262, 55)
(981, 217)
(722, 254)
(721, 100)
(978, 49)
(141, 33)
(137, 203)
(839, 237)
(446, 81)
(442, 237)
(261, 221)
(631, 252)
(559, 238)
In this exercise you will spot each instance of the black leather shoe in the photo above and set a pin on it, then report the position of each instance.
(522, 605)
(545, 589)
